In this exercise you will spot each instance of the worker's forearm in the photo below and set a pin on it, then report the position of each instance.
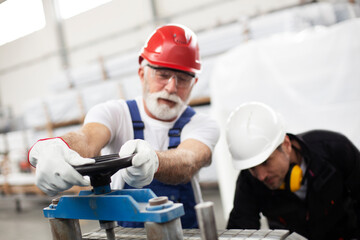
(179, 165)
(79, 142)
(89, 140)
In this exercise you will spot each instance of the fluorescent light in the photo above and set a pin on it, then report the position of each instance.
(19, 18)
(70, 8)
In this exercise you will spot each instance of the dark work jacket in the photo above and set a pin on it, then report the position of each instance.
(331, 207)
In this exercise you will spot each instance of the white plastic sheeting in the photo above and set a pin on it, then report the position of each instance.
(64, 107)
(34, 113)
(99, 93)
(312, 78)
(126, 64)
(302, 17)
(131, 86)
(291, 20)
(201, 88)
(220, 39)
(3, 144)
(17, 149)
(77, 77)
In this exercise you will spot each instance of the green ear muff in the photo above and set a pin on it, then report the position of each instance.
(293, 178)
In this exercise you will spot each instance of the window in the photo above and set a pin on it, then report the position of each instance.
(70, 8)
(19, 18)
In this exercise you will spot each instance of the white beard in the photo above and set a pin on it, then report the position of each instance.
(163, 111)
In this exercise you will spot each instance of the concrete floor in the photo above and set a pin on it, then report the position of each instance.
(29, 223)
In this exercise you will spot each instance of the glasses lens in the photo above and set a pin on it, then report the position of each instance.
(183, 80)
(162, 75)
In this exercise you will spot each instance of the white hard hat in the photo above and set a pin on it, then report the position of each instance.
(253, 132)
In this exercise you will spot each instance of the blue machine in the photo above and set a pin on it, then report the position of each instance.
(119, 205)
(105, 205)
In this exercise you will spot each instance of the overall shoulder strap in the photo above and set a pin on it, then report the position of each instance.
(138, 125)
(175, 131)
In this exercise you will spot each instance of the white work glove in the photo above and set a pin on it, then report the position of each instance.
(144, 164)
(53, 160)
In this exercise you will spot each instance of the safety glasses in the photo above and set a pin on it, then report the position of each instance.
(164, 75)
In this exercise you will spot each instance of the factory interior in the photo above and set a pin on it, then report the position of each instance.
(60, 58)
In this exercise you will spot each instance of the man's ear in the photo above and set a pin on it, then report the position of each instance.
(287, 144)
(196, 79)
(141, 73)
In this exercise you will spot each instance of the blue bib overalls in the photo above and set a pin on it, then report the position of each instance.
(180, 193)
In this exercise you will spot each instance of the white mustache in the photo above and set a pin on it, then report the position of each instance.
(163, 111)
(165, 95)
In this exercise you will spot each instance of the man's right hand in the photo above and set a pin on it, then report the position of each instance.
(53, 160)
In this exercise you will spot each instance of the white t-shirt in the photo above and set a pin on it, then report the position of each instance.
(115, 115)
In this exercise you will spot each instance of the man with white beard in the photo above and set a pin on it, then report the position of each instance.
(172, 142)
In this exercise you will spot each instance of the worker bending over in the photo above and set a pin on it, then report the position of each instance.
(171, 141)
(307, 183)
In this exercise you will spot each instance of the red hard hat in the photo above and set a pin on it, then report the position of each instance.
(173, 46)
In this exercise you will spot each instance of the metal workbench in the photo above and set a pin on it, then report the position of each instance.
(194, 234)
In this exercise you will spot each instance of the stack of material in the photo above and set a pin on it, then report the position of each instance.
(16, 174)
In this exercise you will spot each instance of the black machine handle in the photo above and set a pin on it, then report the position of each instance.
(105, 165)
